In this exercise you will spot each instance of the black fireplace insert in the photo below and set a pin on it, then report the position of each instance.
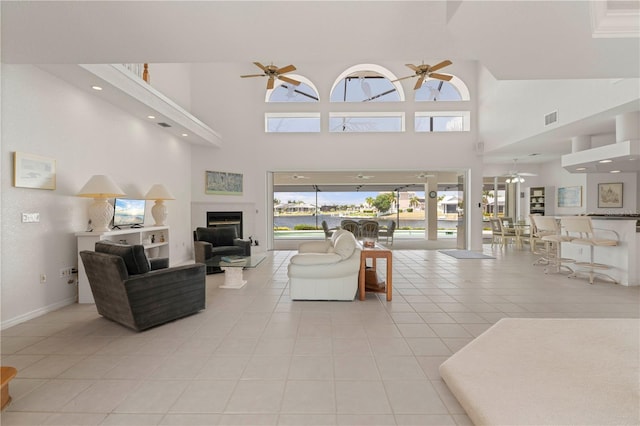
(215, 219)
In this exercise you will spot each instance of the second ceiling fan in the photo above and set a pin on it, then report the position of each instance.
(273, 72)
(425, 70)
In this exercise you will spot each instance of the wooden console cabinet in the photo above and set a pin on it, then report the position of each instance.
(154, 238)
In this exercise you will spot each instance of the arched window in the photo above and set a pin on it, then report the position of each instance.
(439, 90)
(366, 83)
(292, 122)
(287, 92)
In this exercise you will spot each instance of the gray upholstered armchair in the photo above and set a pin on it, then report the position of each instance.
(219, 241)
(126, 289)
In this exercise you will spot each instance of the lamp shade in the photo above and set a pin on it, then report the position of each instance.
(100, 186)
(159, 192)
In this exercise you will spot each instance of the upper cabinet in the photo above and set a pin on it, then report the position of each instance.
(129, 92)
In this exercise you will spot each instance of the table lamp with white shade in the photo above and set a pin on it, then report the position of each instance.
(159, 193)
(100, 188)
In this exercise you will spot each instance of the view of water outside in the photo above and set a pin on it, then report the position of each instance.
(297, 214)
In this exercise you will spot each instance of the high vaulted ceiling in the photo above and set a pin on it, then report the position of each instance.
(513, 40)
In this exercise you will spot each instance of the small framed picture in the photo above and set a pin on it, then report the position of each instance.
(223, 183)
(33, 171)
(570, 196)
(610, 195)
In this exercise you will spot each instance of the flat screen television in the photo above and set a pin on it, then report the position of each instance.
(128, 212)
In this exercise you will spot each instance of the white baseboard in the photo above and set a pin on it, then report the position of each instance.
(37, 313)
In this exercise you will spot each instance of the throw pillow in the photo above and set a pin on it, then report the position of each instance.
(134, 256)
(345, 245)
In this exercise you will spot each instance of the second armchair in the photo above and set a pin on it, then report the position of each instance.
(219, 241)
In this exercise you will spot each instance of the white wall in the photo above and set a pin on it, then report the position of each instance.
(43, 115)
(235, 107)
(174, 81)
(514, 110)
(552, 175)
(629, 192)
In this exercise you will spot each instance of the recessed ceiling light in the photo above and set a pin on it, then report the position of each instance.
(579, 169)
(605, 161)
(614, 171)
(185, 134)
(98, 88)
(151, 116)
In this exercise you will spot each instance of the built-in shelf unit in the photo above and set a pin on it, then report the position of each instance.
(541, 200)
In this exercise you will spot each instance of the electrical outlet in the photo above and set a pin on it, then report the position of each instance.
(43, 278)
(66, 272)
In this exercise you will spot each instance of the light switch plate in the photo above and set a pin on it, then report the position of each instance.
(30, 217)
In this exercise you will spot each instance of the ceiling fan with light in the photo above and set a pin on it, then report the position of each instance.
(425, 70)
(273, 72)
(515, 176)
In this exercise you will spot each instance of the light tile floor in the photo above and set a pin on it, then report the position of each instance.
(254, 357)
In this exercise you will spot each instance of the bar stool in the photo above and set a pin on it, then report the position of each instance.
(535, 238)
(582, 230)
(553, 242)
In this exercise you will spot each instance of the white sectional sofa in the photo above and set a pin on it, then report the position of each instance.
(325, 270)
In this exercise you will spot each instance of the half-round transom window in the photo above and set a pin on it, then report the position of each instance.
(366, 83)
(287, 92)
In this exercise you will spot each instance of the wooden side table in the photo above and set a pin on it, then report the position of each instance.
(6, 374)
(376, 252)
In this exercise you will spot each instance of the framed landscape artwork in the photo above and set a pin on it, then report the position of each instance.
(610, 195)
(223, 183)
(33, 171)
(570, 196)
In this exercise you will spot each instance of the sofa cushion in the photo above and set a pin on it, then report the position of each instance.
(344, 245)
(336, 234)
(220, 236)
(315, 259)
(134, 256)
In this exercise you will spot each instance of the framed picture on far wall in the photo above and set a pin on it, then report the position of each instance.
(570, 196)
(223, 183)
(610, 195)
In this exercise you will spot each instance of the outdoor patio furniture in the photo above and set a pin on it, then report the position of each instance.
(387, 232)
(369, 229)
(327, 232)
(351, 226)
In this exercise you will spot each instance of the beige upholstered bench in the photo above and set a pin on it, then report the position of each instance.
(550, 372)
